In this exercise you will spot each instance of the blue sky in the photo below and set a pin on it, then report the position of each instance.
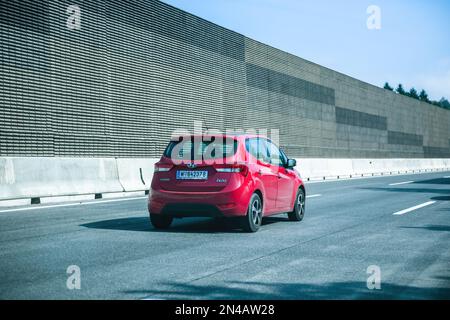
(412, 47)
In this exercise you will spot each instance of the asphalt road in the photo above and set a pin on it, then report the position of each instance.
(349, 226)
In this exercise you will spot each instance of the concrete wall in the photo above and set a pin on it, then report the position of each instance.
(42, 177)
(35, 178)
(137, 70)
(323, 169)
(47, 177)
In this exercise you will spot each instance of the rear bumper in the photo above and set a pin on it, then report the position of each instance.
(200, 204)
(184, 210)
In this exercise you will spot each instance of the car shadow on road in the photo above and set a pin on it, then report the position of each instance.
(441, 198)
(431, 228)
(242, 290)
(187, 225)
(434, 181)
(416, 189)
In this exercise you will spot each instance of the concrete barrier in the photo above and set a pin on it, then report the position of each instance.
(322, 169)
(28, 178)
(135, 174)
(316, 168)
(47, 177)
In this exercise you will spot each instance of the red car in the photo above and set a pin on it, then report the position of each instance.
(245, 176)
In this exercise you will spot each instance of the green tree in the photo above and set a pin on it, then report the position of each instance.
(388, 87)
(444, 103)
(413, 93)
(400, 90)
(436, 103)
(423, 96)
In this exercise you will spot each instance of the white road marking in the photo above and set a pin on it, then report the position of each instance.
(314, 196)
(399, 183)
(414, 208)
(71, 204)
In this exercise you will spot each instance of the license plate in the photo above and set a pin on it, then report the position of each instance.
(192, 175)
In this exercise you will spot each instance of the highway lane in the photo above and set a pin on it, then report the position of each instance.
(349, 225)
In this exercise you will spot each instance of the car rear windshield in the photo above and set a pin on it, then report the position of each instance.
(214, 148)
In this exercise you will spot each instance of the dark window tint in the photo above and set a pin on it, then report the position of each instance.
(188, 149)
(277, 157)
(257, 147)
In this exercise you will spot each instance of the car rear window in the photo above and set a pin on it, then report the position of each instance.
(217, 148)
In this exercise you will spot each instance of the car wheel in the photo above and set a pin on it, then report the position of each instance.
(299, 207)
(160, 221)
(253, 219)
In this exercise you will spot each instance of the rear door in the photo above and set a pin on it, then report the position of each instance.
(257, 147)
(286, 178)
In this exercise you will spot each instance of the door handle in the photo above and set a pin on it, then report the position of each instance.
(279, 177)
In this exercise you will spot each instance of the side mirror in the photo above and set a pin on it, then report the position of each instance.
(291, 163)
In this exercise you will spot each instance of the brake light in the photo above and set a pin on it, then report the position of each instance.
(163, 167)
(236, 168)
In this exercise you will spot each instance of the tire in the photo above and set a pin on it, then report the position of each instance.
(252, 221)
(299, 207)
(160, 221)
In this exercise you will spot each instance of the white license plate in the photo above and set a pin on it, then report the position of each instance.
(192, 175)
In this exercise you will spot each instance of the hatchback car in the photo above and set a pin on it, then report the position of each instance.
(243, 176)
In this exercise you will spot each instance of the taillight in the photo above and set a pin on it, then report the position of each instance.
(163, 167)
(235, 168)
